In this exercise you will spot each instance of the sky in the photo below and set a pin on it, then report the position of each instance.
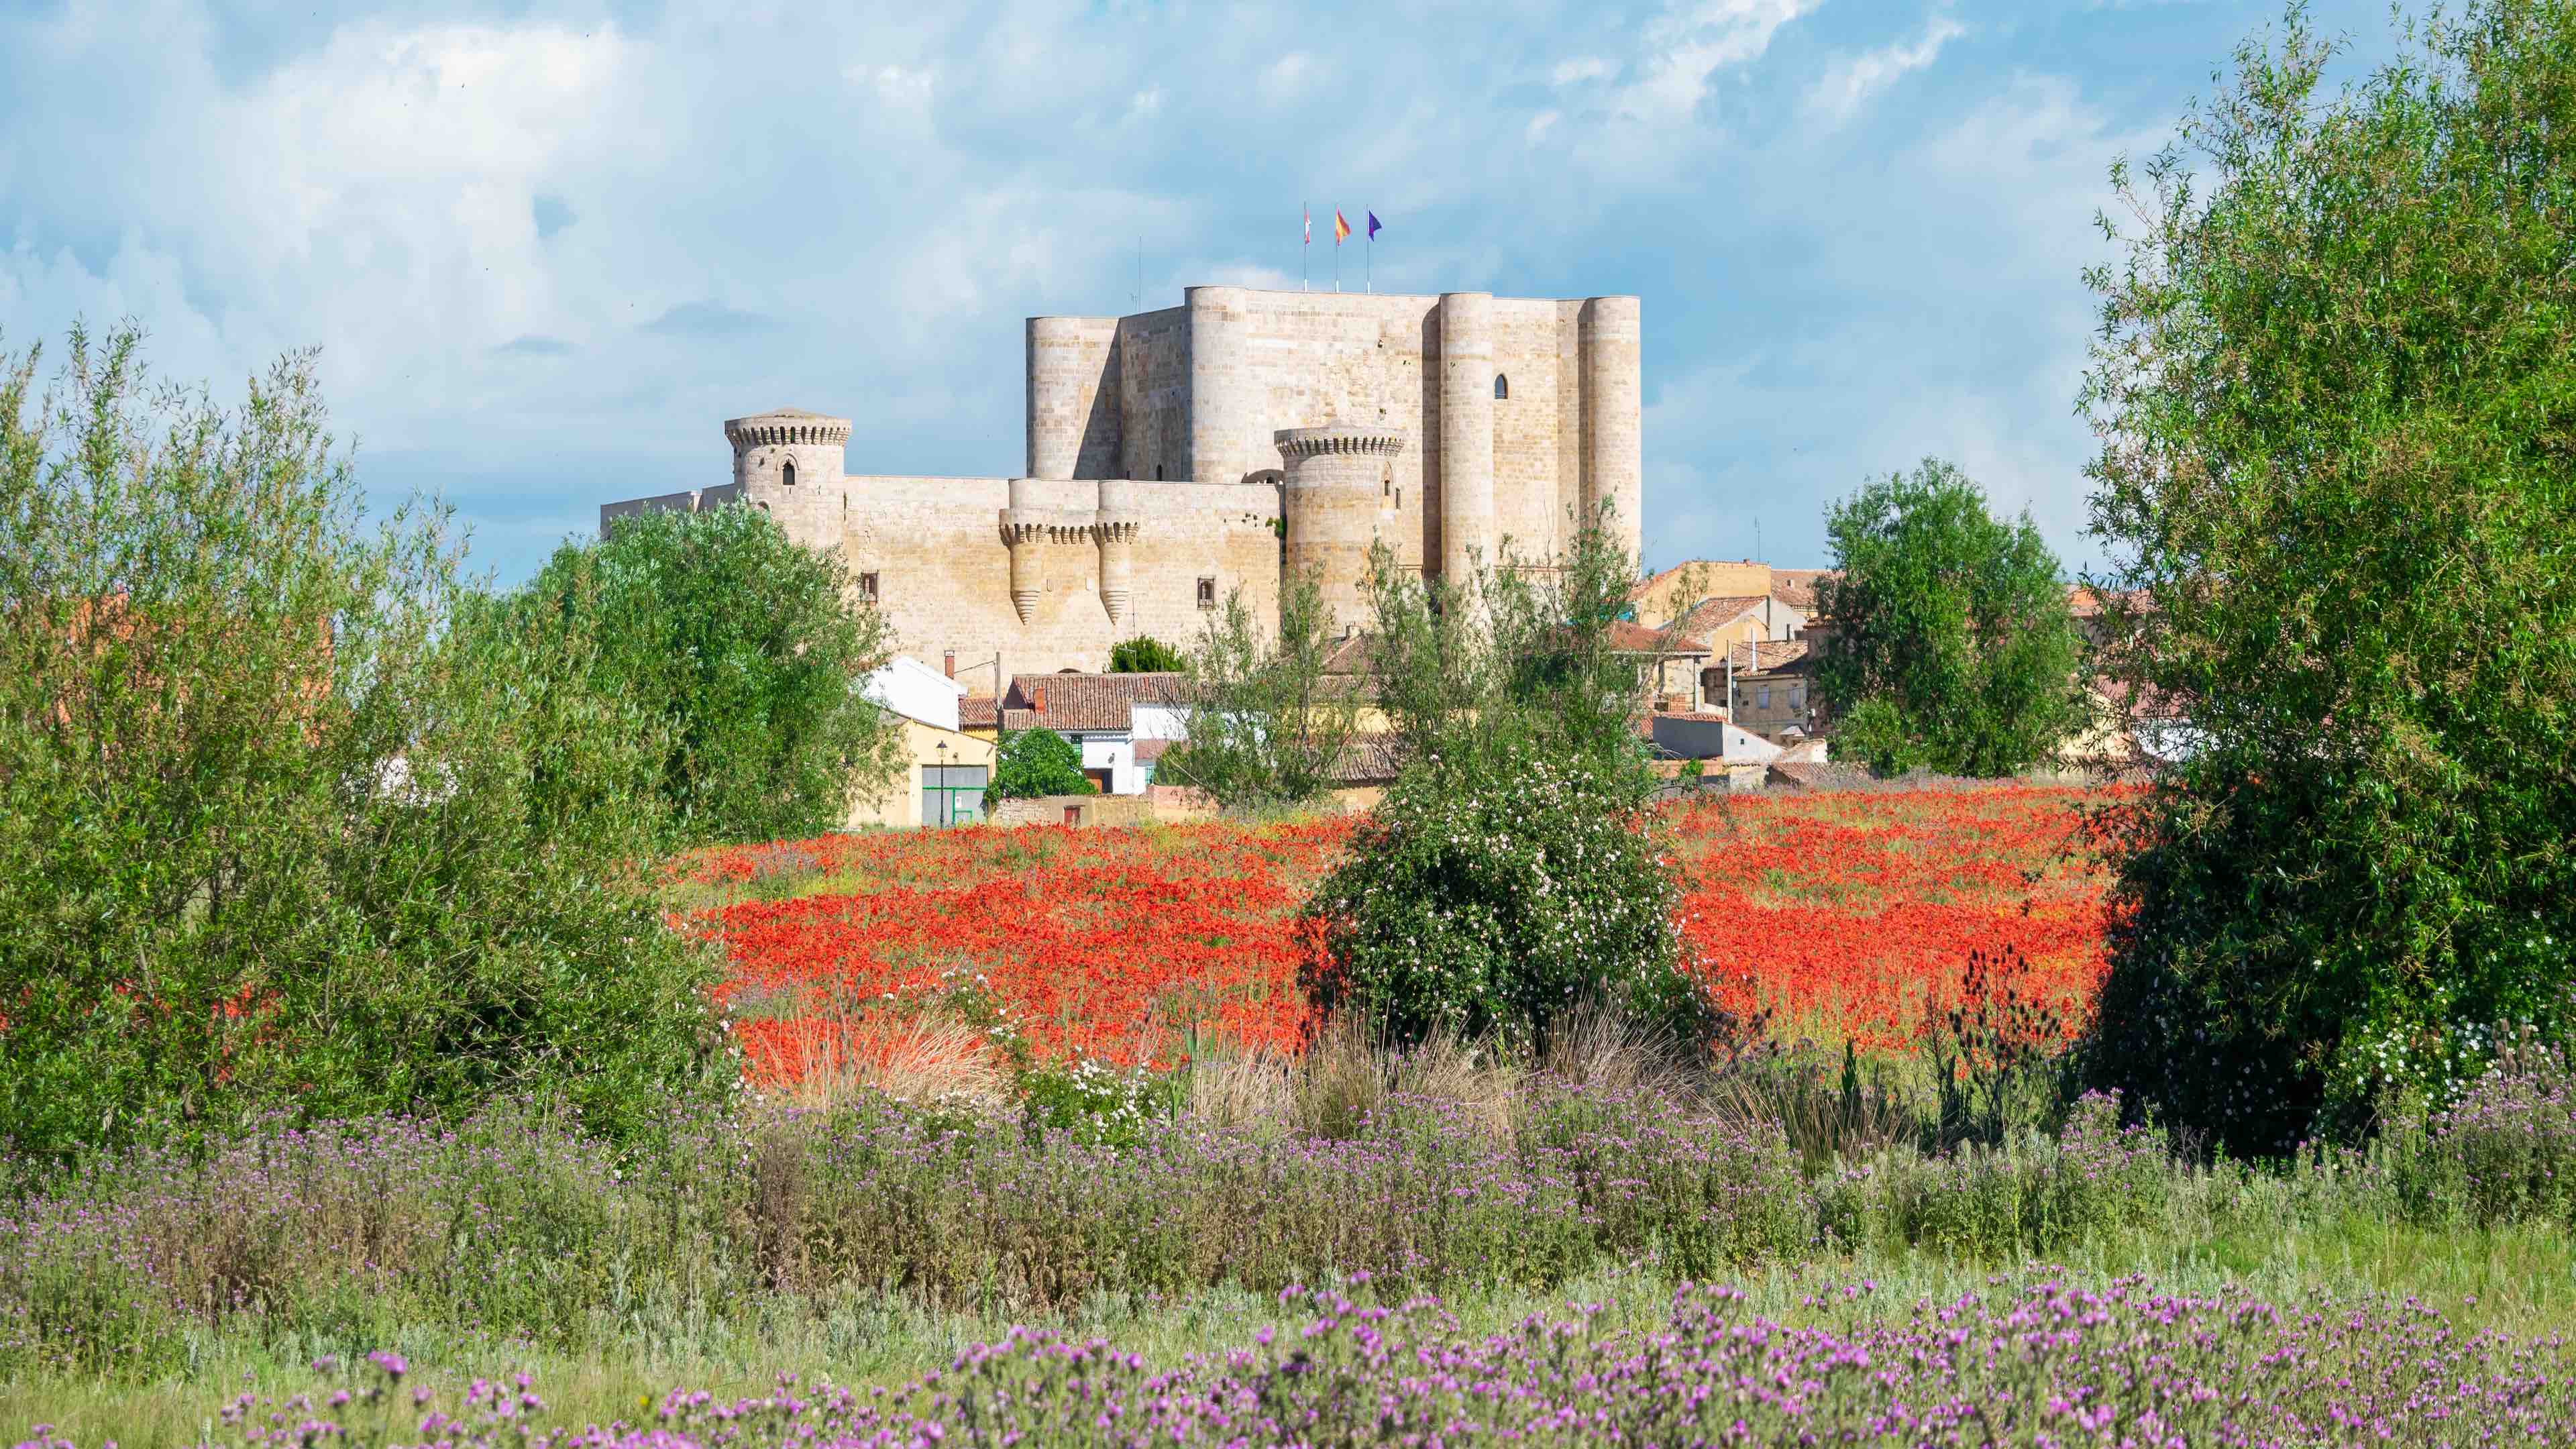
(544, 250)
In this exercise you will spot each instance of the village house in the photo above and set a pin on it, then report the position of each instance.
(946, 769)
(1106, 716)
(1770, 689)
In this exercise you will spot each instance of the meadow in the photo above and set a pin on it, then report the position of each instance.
(1230, 1225)
(1839, 917)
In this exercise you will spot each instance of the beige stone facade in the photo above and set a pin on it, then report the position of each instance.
(1174, 457)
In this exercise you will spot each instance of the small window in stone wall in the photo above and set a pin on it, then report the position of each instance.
(867, 588)
(787, 473)
(1158, 472)
(1502, 387)
(1207, 593)
(1762, 697)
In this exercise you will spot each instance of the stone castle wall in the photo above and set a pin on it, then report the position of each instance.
(1202, 388)
(946, 577)
(1154, 460)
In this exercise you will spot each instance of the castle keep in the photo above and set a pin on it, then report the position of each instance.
(1175, 456)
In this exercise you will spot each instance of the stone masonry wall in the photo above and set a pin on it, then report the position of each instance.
(1186, 405)
(944, 574)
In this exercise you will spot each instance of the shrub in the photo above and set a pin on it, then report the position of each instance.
(1268, 723)
(749, 647)
(1507, 876)
(2504, 1153)
(2333, 392)
(1145, 654)
(1038, 762)
(1493, 894)
(1097, 1104)
(285, 823)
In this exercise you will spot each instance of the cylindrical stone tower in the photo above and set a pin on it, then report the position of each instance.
(1334, 508)
(1224, 397)
(1614, 468)
(1466, 433)
(788, 464)
(1068, 367)
(1023, 534)
(1118, 525)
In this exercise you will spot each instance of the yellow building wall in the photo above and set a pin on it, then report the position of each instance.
(899, 804)
(1664, 597)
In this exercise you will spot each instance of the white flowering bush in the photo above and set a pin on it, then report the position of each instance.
(1489, 898)
(1097, 1103)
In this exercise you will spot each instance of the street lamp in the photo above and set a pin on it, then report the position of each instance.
(946, 800)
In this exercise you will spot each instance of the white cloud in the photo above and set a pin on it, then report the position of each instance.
(1852, 81)
(1285, 78)
(1691, 41)
(543, 258)
(896, 85)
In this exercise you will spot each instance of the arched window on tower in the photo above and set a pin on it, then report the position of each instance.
(787, 473)
(1502, 387)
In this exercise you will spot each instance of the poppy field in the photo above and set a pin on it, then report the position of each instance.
(1842, 915)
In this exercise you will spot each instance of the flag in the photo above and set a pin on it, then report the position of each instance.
(1341, 228)
(1372, 218)
(1310, 226)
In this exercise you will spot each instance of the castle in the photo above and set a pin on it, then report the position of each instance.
(1179, 455)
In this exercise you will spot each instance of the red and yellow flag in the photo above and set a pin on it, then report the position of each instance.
(1341, 228)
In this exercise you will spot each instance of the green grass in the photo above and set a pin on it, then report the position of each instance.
(2520, 1280)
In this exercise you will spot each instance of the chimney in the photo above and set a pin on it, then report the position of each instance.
(949, 659)
(1037, 698)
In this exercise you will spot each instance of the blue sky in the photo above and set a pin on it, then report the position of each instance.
(544, 250)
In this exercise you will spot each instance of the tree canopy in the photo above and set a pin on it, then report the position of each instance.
(1952, 643)
(2337, 416)
(750, 647)
(1145, 654)
(1037, 762)
(288, 822)
(1269, 722)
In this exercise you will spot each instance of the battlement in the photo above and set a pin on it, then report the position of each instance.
(1179, 456)
(785, 427)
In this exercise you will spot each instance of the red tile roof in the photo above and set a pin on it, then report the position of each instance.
(1627, 638)
(1769, 654)
(1085, 703)
(1709, 615)
(978, 711)
(2087, 603)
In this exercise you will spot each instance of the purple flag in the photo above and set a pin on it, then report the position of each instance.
(1372, 216)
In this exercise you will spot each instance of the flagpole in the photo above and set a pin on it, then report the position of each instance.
(1370, 266)
(1305, 240)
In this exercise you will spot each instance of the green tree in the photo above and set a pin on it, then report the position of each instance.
(750, 648)
(1527, 652)
(1269, 721)
(1037, 762)
(2334, 392)
(1489, 894)
(286, 823)
(1511, 873)
(1145, 654)
(1956, 620)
